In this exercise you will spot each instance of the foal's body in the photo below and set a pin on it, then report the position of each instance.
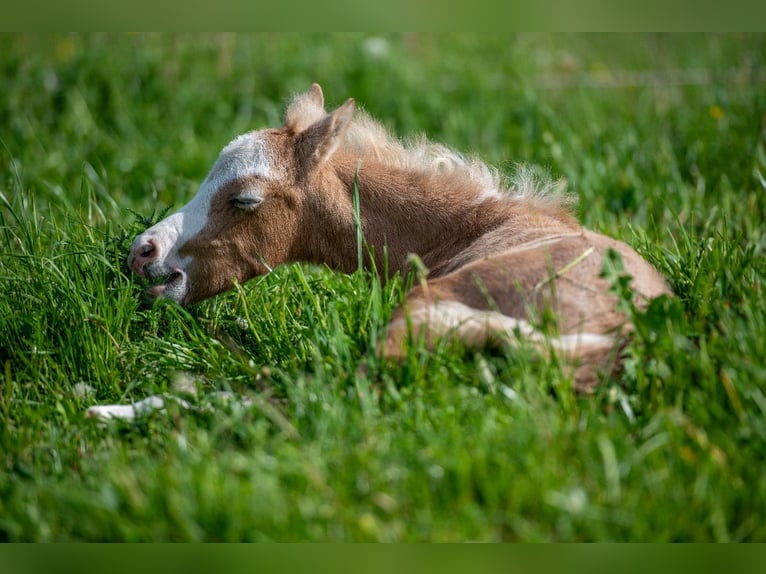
(498, 258)
(496, 262)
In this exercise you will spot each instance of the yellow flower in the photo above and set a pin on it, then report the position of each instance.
(66, 49)
(716, 112)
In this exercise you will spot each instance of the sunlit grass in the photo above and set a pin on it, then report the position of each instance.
(101, 134)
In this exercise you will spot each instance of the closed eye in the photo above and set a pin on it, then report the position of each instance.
(245, 201)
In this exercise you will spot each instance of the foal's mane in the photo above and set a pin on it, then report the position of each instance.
(368, 138)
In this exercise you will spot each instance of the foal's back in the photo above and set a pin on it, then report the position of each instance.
(512, 280)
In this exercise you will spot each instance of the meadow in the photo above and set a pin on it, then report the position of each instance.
(662, 139)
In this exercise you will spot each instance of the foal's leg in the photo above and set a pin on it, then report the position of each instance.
(482, 306)
(589, 353)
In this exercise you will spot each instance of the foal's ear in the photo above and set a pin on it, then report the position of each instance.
(318, 142)
(305, 109)
(316, 95)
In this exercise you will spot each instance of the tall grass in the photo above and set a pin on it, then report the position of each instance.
(660, 137)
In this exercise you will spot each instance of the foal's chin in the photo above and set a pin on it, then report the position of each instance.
(175, 286)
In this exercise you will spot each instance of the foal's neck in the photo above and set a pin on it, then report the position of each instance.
(436, 216)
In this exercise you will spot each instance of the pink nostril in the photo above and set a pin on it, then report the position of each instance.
(142, 255)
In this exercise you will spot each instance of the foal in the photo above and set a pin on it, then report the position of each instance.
(497, 258)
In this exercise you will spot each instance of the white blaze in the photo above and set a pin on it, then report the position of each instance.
(245, 156)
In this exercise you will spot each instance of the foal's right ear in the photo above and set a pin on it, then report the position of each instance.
(316, 144)
(305, 109)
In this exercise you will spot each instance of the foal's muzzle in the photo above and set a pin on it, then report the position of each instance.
(142, 254)
(147, 260)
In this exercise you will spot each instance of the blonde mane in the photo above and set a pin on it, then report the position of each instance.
(368, 138)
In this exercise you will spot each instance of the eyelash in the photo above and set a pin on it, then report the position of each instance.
(245, 201)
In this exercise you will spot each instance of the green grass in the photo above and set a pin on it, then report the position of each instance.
(99, 135)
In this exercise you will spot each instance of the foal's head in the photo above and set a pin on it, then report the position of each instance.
(246, 217)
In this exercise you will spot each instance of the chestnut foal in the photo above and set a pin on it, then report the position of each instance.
(497, 255)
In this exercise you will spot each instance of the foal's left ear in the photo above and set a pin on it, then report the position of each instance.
(318, 142)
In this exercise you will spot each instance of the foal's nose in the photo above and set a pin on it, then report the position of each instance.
(141, 255)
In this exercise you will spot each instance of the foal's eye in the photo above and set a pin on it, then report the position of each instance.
(246, 201)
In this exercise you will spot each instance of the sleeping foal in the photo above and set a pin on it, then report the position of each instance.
(498, 257)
